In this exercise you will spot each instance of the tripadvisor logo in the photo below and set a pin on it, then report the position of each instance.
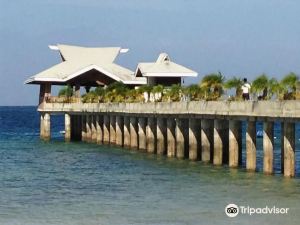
(232, 210)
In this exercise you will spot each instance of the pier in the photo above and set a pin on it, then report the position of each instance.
(209, 131)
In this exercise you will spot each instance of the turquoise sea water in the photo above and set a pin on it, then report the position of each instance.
(77, 183)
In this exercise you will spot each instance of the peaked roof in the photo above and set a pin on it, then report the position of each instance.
(92, 55)
(78, 60)
(164, 67)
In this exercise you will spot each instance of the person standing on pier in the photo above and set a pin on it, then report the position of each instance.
(246, 90)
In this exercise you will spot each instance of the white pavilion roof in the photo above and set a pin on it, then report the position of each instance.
(78, 60)
(164, 67)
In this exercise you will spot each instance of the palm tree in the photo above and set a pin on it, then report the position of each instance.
(157, 92)
(144, 91)
(212, 84)
(66, 91)
(116, 92)
(275, 88)
(289, 83)
(194, 92)
(173, 93)
(260, 86)
(235, 83)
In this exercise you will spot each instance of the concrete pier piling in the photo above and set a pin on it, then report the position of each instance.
(142, 133)
(268, 146)
(133, 132)
(119, 130)
(289, 149)
(251, 146)
(67, 127)
(83, 128)
(235, 143)
(88, 136)
(106, 126)
(220, 142)
(194, 139)
(151, 134)
(99, 128)
(75, 127)
(180, 138)
(126, 131)
(207, 140)
(161, 134)
(205, 130)
(45, 125)
(171, 141)
(112, 129)
(94, 128)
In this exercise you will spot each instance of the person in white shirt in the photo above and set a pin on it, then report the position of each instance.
(246, 89)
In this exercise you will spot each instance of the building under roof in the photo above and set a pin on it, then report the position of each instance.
(163, 71)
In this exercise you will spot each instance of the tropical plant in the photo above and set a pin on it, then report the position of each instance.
(173, 93)
(157, 92)
(212, 85)
(90, 97)
(289, 83)
(194, 92)
(260, 86)
(275, 88)
(235, 83)
(66, 91)
(115, 92)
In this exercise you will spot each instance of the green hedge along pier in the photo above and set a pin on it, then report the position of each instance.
(210, 131)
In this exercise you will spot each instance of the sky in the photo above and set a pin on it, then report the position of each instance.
(236, 37)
